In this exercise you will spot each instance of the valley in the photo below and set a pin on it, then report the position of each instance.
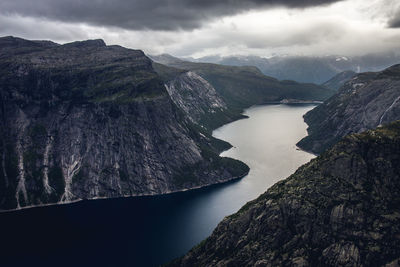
(152, 230)
(188, 133)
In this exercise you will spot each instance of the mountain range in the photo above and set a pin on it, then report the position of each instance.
(308, 69)
(247, 85)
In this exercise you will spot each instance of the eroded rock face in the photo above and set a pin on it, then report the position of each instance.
(366, 101)
(195, 96)
(341, 209)
(85, 120)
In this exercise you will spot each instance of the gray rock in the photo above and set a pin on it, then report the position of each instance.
(319, 216)
(365, 102)
(85, 120)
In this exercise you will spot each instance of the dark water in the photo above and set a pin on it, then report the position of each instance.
(148, 231)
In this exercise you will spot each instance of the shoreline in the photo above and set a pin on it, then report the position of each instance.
(175, 191)
(233, 179)
(294, 101)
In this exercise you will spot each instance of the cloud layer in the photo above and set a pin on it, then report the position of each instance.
(394, 22)
(209, 27)
(143, 14)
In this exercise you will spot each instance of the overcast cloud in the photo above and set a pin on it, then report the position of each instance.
(143, 14)
(208, 27)
(394, 22)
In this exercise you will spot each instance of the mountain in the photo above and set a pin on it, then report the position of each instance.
(309, 69)
(339, 80)
(366, 101)
(199, 100)
(341, 209)
(85, 120)
(241, 87)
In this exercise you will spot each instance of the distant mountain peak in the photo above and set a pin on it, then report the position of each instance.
(165, 58)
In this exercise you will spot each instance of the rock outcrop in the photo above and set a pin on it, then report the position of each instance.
(195, 96)
(364, 102)
(85, 120)
(341, 209)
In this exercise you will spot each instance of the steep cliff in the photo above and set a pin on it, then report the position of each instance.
(341, 209)
(241, 87)
(85, 120)
(364, 102)
(200, 101)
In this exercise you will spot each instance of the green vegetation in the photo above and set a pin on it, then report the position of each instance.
(186, 175)
(167, 73)
(190, 174)
(242, 87)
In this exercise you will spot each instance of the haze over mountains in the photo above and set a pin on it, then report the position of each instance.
(311, 69)
(247, 83)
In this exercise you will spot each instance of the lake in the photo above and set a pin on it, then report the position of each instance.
(148, 231)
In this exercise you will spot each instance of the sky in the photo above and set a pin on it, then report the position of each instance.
(197, 28)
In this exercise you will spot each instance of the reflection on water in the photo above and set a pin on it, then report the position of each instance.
(267, 144)
(148, 231)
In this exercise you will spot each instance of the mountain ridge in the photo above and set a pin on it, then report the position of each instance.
(308, 69)
(366, 101)
(339, 79)
(244, 86)
(85, 120)
(340, 209)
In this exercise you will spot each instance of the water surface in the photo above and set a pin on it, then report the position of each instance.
(148, 231)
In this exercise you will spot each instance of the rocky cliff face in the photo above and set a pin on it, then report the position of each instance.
(339, 80)
(364, 102)
(241, 87)
(195, 96)
(341, 209)
(85, 120)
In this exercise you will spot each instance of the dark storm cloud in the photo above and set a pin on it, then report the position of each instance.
(143, 14)
(394, 22)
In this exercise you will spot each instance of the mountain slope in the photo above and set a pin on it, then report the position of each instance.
(341, 209)
(241, 87)
(85, 120)
(366, 101)
(309, 69)
(339, 80)
(197, 97)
